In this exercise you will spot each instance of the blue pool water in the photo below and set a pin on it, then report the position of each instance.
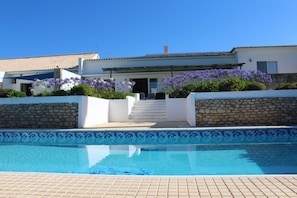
(152, 160)
(177, 152)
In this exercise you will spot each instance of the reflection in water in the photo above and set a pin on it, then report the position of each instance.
(152, 160)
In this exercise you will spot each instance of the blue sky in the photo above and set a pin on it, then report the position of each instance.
(124, 28)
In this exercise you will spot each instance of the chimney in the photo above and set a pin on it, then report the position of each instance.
(165, 49)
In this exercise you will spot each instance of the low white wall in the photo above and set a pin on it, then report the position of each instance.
(119, 110)
(35, 100)
(130, 102)
(2, 74)
(191, 110)
(176, 109)
(92, 111)
(245, 94)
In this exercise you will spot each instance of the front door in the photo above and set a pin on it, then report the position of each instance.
(141, 86)
(26, 88)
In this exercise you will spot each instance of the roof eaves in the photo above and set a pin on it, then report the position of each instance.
(59, 55)
(254, 47)
(175, 55)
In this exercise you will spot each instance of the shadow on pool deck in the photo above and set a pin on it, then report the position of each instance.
(166, 124)
(142, 125)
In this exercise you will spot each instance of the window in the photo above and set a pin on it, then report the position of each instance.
(269, 67)
(153, 85)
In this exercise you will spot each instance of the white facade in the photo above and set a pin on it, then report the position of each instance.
(1, 79)
(20, 73)
(284, 56)
(151, 69)
(22, 81)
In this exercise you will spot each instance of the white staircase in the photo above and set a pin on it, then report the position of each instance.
(148, 110)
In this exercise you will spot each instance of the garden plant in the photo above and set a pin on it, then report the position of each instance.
(213, 80)
(90, 87)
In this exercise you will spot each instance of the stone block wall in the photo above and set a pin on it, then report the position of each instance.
(278, 79)
(246, 111)
(34, 116)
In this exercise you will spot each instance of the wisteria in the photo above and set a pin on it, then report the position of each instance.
(50, 85)
(178, 81)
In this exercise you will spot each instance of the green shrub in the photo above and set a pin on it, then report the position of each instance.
(16, 94)
(231, 84)
(176, 94)
(207, 86)
(253, 85)
(83, 89)
(45, 93)
(60, 93)
(287, 86)
(10, 93)
(86, 90)
(184, 92)
(4, 93)
(113, 95)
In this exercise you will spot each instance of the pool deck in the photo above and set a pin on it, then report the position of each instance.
(141, 125)
(66, 185)
(75, 185)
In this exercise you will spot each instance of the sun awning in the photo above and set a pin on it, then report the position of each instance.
(171, 68)
(37, 76)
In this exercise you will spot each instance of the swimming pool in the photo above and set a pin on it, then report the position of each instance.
(224, 151)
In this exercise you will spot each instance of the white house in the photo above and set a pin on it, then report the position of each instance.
(19, 73)
(147, 71)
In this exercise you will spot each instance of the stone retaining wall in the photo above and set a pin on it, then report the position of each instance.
(278, 79)
(246, 111)
(46, 115)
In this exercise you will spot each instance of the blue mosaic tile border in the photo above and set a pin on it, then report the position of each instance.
(213, 136)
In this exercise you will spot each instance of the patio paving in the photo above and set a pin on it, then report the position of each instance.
(68, 185)
(141, 125)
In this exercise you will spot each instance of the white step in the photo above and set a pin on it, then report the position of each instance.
(149, 110)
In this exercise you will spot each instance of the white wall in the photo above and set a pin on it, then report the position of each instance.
(92, 111)
(7, 80)
(286, 57)
(7, 84)
(66, 74)
(1, 76)
(94, 67)
(191, 109)
(119, 110)
(176, 109)
(131, 101)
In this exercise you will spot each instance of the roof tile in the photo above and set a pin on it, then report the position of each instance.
(44, 62)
